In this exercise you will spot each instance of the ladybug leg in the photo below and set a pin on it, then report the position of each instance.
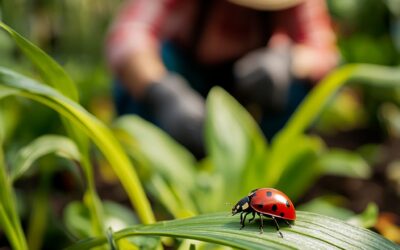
(287, 223)
(243, 219)
(254, 216)
(261, 224)
(277, 226)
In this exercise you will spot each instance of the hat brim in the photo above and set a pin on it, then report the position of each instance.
(267, 4)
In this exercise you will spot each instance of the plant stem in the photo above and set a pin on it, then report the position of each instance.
(91, 198)
(9, 208)
(38, 218)
(9, 229)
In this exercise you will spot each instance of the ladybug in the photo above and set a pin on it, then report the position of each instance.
(269, 202)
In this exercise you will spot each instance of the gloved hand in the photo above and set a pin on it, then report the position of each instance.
(263, 77)
(179, 110)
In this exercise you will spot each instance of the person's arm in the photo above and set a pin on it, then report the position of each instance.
(314, 48)
(133, 50)
(133, 45)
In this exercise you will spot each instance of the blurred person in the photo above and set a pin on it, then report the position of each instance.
(167, 54)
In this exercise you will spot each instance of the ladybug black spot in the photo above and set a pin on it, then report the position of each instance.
(282, 214)
(260, 205)
(269, 194)
(274, 207)
(287, 204)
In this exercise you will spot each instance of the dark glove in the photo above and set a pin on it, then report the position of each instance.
(263, 77)
(179, 110)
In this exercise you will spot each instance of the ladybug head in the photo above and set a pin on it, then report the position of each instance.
(242, 205)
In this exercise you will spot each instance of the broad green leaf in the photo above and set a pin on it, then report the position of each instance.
(234, 142)
(310, 231)
(299, 164)
(50, 71)
(164, 154)
(342, 162)
(47, 144)
(164, 158)
(172, 197)
(92, 127)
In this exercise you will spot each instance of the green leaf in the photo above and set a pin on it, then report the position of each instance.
(165, 159)
(51, 72)
(77, 218)
(165, 155)
(311, 107)
(235, 143)
(309, 231)
(41, 146)
(299, 164)
(328, 205)
(91, 126)
(316, 100)
(9, 220)
(342, 162)
(367, 218)
(54, 75)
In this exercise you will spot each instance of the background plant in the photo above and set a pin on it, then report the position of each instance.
(178, 186)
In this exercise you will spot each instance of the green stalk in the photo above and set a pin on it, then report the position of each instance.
(9, 229)
(9, 207)
(38, 218)
(91, 198)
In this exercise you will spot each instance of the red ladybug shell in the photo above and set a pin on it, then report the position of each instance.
(271, 201)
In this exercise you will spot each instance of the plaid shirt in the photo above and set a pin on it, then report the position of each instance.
(229, 32)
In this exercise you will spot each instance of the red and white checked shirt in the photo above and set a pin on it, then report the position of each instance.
(229, 32)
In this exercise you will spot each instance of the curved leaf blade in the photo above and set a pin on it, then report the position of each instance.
(44, 145)
(51, 72)
(168, 158)
(91, 126)
(311, 231)
(316, 100)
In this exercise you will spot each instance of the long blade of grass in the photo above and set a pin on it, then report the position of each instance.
(92, 127)
(51, 72)
(54, 75)
(311, 231)
(316, 100)
(311, 107)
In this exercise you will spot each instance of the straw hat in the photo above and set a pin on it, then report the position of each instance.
(267, 4)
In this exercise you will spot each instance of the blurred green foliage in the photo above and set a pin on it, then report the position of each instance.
(367, 30)
(73, 31)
